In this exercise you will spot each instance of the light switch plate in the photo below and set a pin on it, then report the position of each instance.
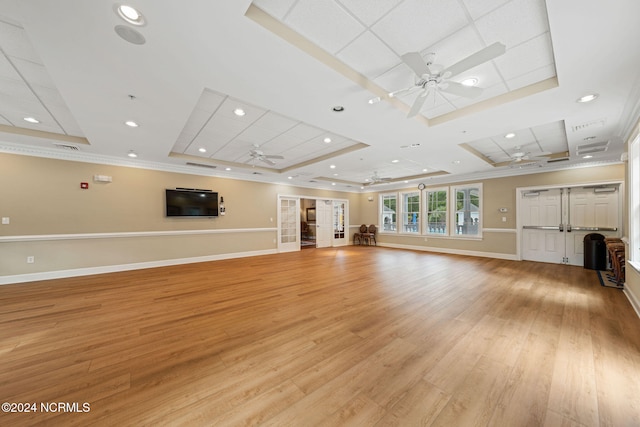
(5, 220)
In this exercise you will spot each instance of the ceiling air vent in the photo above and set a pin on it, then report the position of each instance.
(598, 123)
(594, 147)
(600, 149)
(201, 165)
(564, 159)
(257, 173)
(67, 147)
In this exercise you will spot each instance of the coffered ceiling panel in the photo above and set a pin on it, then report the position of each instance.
(372, 42)
(219, 132)
(289, 63)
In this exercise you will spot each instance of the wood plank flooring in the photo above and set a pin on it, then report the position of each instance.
(352, 336)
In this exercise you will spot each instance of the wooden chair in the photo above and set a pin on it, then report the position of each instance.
(616, 250)
(370, 235)
(359, 236)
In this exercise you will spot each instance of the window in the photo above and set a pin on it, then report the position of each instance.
(389, 212)
(436, 211)
(454, 211)
(467, 215)
(411, 212)
(634, 203)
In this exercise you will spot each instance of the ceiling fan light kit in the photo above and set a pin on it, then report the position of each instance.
(433, 78)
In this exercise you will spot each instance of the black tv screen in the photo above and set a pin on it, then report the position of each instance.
(184, 202)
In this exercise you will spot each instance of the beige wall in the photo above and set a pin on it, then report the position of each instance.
(43, 197)
(497, 193)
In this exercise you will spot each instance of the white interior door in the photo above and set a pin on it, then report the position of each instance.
(324, 223)
(555, 221)
(541, 216)
(288, 224)
(340, 233)
(590, 210)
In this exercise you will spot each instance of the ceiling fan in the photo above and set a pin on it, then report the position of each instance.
(376, 179)
(259, 155)
(431, 77)
(521, 156)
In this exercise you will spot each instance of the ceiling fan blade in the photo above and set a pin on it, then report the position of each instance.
(417, 105)
(267, 161)
(456, 88)
(405, 91)
(273, 157)
(415, 61)
(480, 57)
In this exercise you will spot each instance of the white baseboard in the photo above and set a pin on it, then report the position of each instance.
(511, 257)
(633, 299)
(60, 274)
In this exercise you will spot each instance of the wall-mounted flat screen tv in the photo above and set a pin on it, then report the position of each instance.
(191, 203)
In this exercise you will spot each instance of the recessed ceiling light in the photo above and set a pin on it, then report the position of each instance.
(374, 100)
(406, 181)
(471, 81)
(589, 138)
(588, 156)
(332, 166)
(132, 154)
(202, 150)
(227, 169)
(424, 170)
(130, 15)
(395, 161)
(338, 108)
(456, 162)
(131, 124)
(31, 120)
(335, 174)
(327, 140)
(289, 177)
(239, 112)
(587, 98)
(333, 183)
(510, 135)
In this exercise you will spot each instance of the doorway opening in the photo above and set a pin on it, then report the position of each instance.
(308, 223)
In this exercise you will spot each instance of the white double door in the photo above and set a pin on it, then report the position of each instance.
(553, 222)
(331, 216)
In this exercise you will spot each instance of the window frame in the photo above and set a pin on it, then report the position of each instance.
(453, 195)
(381, 217)
(403, 197)
(426, 227)
(634, 202)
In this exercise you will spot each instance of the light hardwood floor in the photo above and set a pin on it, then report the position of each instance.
(360, 336)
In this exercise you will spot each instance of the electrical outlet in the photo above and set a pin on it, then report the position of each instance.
(31, 259)
(5, 220)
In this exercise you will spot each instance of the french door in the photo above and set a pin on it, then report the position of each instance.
(554, 221)
(288, 224)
